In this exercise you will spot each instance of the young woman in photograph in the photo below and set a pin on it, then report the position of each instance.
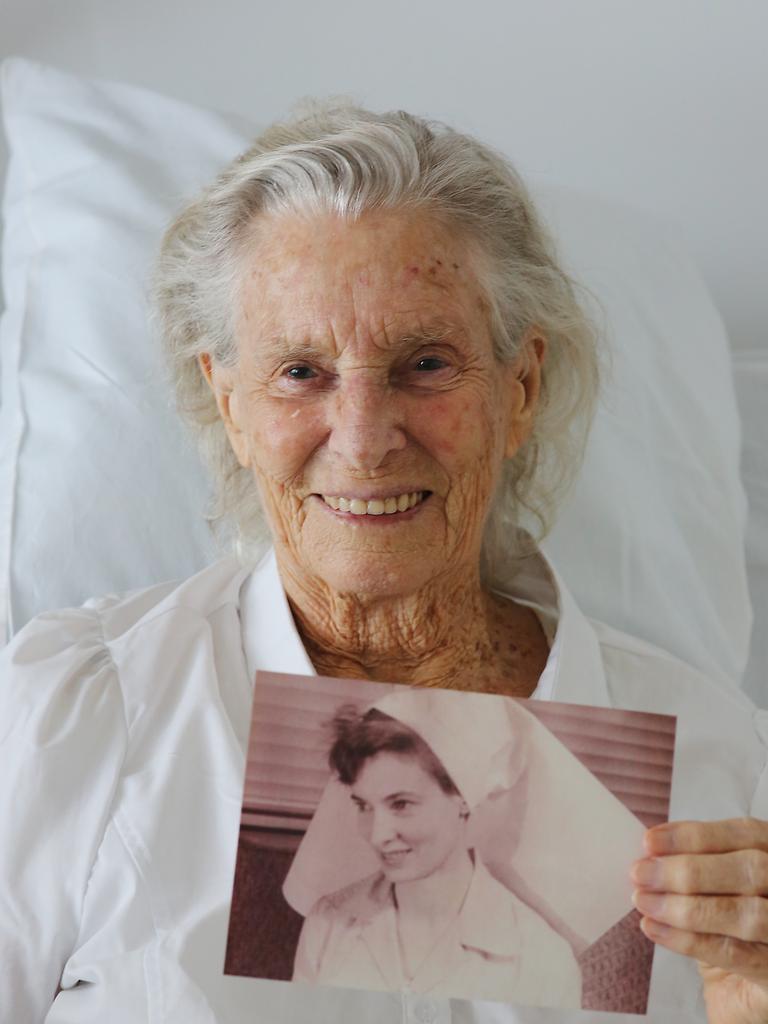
(432, 918)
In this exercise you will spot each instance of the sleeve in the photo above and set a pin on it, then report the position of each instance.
(63, 739)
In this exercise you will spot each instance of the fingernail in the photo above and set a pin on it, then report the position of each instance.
(647, 873)
(648, 902)
(660, 839)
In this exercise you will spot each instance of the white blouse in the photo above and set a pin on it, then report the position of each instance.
(123, 731)
(497, 945)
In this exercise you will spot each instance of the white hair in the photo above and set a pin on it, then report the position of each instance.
(335, 157)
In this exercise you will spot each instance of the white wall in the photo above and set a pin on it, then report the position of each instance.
(661, 103)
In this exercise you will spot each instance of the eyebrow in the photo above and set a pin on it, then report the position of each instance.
(389, 796)
(279, 345)
(434, 331)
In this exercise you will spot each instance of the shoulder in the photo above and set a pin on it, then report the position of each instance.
(332, 920)
(638, 669)
(111, 616)
(494, 919)
(81, 643)
(200, 596)
(61, 673)
(354, 903)
(530, 925)
(495, 922)
(65, 674)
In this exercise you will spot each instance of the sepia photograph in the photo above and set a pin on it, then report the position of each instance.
(465, 845)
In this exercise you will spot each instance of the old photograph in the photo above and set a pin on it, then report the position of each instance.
(466, 845)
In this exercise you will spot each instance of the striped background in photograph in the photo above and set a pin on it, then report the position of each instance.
(629, 752)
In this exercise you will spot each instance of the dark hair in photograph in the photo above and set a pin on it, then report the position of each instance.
(358, 736)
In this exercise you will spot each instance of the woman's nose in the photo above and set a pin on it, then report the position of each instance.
(365, 421)
(383, 829)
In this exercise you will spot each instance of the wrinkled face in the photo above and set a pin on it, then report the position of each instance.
(412, 824)
(368, 401)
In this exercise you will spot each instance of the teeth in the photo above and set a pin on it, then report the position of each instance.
(377, 507)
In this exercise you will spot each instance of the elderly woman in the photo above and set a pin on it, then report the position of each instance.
(432, 918)
(391, 375)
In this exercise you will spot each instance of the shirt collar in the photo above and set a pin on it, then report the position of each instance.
(270, 638)
(574, 671)
(483, 923)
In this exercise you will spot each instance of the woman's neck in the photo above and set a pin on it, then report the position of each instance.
(452, 633)
(439, 896)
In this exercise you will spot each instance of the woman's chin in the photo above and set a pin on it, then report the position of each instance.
(376, 575)
(372, 556)
(400, 873)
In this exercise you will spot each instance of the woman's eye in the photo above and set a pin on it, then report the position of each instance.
(300, 372)
(400, 805)
(430, 363)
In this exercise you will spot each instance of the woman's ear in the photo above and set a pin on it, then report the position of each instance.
(525, 387)
(223, 383)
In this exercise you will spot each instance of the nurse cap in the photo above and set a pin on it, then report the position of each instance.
(485, 759)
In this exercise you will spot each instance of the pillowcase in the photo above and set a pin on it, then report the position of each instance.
(652, 538)
(101, 491)
(751, 375)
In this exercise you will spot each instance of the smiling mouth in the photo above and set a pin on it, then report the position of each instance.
(394, 856)
(377, 506)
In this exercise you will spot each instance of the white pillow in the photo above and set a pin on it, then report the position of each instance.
(101, 491)
(652, 539)
(751, 373)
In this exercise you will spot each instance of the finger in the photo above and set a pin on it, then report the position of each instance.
(741, 917)
(749, 959)
(744, 873)
(707, 836)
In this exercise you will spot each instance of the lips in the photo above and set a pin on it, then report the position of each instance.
(394, 857)
(384, 506)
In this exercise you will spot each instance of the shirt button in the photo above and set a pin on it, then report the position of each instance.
(425, 1011)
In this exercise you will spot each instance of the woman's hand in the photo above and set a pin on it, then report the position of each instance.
(703, 892)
